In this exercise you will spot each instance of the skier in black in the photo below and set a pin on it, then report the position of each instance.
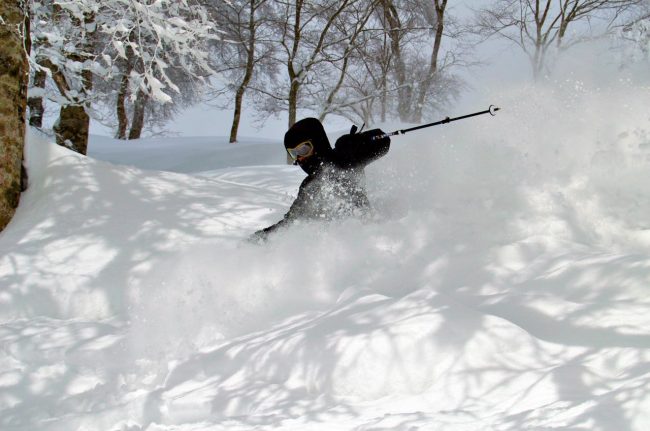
(334, 186)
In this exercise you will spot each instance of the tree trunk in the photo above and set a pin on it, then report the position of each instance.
(248, 74)
(384, 99)
(128, 65)
(385, 65)
(404, 88)
(122, 120)
(293, 101)
(137, 123)
(71, 129)
(73, 125)
(433, 63)
(14, 78)
(35, 104)
(537, 62)
(293, 107)
(239, 97)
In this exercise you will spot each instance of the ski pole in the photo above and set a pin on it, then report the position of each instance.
(491, 110)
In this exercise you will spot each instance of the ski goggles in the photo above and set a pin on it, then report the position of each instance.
(303, 149)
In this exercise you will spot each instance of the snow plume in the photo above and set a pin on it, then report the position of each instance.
(502, 285)
(560, 158)
(464, 206)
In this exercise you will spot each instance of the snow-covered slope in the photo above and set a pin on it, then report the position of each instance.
(503, 286)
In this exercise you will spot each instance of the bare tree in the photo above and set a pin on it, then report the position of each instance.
(370, 81)
(541, 27)
(306, 35)
(405, 62)
(352, 27)
(14, 75)
(249, 49)
(438, 23)
(635, 32)
(395, 27)
(244, 48)
(350, 58)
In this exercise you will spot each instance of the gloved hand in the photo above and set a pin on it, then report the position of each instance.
(376, 136)
(369, 137)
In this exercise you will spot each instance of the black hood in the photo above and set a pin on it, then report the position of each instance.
(310, 129)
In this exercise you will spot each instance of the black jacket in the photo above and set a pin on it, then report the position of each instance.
(335, 182)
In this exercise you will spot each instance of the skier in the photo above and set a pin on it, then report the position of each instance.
(334, 186)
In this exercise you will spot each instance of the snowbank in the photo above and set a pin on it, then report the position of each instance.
(503, 287)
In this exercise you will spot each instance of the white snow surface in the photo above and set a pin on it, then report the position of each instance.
(504, 284)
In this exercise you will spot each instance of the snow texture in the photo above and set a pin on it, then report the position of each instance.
(504, 285)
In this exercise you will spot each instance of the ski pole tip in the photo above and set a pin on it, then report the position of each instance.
(493, 109)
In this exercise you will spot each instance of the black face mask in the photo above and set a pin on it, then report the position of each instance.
(312, 164)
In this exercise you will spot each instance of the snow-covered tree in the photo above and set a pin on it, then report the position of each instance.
(14, 73)
(156, 57)
(124, 56)
(65, 48)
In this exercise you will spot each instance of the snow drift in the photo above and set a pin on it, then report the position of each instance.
(504, 285)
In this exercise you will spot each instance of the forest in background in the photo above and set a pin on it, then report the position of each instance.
(132, 65)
